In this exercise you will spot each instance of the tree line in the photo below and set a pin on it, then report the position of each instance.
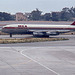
(6, 16)
(66, 14)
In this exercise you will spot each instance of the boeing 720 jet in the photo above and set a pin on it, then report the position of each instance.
(38, 29)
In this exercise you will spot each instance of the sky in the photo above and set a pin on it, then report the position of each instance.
(46, 6)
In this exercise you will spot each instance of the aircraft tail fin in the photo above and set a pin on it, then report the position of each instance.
(73, 23)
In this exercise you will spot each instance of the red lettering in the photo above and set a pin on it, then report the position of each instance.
(22, 26)
(19, 25)
(25, 25)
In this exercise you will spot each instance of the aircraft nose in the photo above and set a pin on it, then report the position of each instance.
(2, 29)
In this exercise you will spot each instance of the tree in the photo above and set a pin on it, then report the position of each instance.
(65, 9)
(36, 15)
(66, 14)
(55, 16)
(73, 12)
(47, 16)
(5, 16)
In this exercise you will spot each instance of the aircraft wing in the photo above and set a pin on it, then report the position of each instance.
(49, 32)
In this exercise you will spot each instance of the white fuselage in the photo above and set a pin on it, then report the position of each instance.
(31, 28)
(39, 27)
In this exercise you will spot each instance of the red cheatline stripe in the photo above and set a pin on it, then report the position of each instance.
(35, 28)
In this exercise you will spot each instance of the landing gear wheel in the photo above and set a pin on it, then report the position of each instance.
(10, 34)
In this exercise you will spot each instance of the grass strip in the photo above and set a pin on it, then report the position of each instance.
(28, 40)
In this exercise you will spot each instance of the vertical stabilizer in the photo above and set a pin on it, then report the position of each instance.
(73, 23)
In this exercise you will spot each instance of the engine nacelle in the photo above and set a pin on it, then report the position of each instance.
(54, 33)
(40, 34)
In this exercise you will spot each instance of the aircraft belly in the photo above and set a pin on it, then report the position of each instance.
(15, 31)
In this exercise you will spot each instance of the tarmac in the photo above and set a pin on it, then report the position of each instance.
(38, 58)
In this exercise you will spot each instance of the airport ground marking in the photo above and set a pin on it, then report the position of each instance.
(38, 63)
(15, 65)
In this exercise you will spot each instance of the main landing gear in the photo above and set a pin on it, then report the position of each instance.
(10, 34)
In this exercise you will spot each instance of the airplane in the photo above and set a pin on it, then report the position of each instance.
(38, 29)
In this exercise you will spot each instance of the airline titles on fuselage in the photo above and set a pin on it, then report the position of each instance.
(22, 26)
